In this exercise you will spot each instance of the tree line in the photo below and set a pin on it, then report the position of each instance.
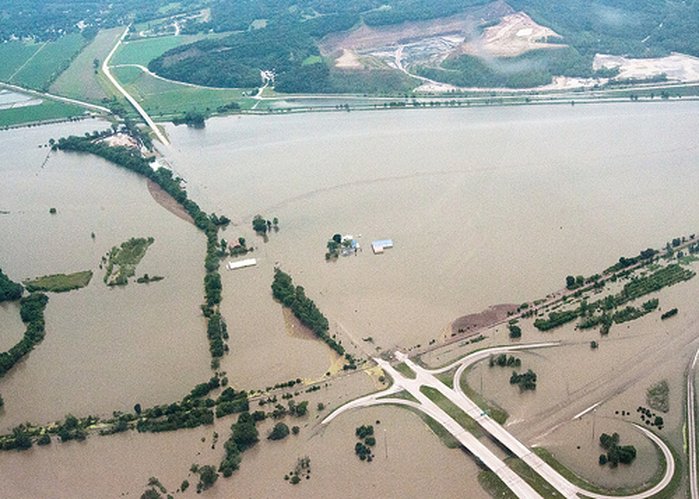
(305, 310)
(32, 313)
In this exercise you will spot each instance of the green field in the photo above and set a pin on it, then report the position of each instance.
(47, 61)
(162, 98)
(47, 110)
(59, 283)
(145, 50)
(13, 55)
(79, 81)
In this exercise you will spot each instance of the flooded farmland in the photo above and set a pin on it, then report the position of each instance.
(105, 348)
(484, 206)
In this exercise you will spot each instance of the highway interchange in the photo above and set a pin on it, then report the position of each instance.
(421, 402)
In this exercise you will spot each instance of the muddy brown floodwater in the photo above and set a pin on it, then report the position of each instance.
(105, 348)
(485, 206)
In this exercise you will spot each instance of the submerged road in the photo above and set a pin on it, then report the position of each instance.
(425, 378)
(692, 429)
(105, 68)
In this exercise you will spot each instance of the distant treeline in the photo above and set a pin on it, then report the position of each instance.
(49, 20)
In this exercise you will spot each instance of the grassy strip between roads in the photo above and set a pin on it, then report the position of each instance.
(495, 487)
(447, 438)
(405, 370)
(58, 283)
(447, 378)
(622, 491)
(466, 421)
(530, 476)
(403, 394)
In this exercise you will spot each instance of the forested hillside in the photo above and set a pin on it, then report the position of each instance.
(286, 35)
(283, 35)
(636, 28)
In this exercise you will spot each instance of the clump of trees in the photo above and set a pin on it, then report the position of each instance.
(650, 418)
(263, 226)
(333, 246)
(624, 454)
(670, 313)
(305, 310)
(279, 432)
(207, 476)
(556, 319)
(645, 255)
(217, 332)
(9, 290)
(194, 119)
(230, 402)
(574, 282)
(363, 448)
(239, 249)
(526, 381)
(515, 330)
(73, 428)
(504, 360)
(18, 439)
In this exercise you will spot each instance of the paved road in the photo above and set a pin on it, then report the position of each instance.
(425, 377)
(513, 481)
(692, 429)
(552, 476)
(132, 101)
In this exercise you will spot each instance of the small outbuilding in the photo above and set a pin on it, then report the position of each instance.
(380, 245)
(241, 264)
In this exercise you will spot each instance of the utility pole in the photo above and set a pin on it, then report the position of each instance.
(385, 440)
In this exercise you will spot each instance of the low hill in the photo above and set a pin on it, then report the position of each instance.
(372, 46)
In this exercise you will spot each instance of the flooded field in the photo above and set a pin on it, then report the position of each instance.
(484, 206)
(408, 457)
(613, 378)
(105, 348)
